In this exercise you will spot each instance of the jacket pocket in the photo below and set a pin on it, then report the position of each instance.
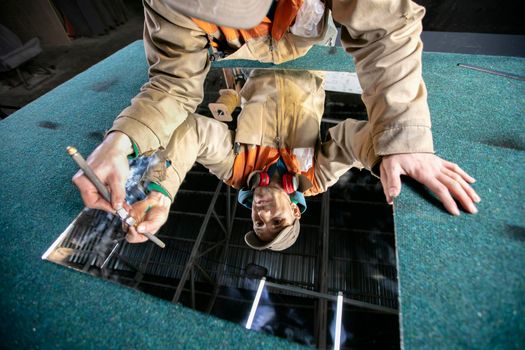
(251, 125)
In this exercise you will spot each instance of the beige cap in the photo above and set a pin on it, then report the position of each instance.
(285, 239)
(239, 14)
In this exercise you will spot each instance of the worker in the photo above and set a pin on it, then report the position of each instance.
(182, 37)
(275, 157)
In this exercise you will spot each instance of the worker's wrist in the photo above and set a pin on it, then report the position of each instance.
(161, 199)
(156, 190)
(120, 142)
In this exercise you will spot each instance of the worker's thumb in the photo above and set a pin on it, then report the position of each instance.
(155, 218)
(394, 182)
(390, 179)
(148, 227)
(118, 192)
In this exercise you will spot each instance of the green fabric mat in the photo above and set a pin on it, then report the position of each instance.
(461, 281)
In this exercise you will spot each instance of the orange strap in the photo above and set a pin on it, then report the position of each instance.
(255, 158)
(261, 158)
(209, 28)
(285, 14)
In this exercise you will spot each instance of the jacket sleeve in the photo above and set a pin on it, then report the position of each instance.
(348, 146)
(383, 37)
(176, 50)
(198, 139)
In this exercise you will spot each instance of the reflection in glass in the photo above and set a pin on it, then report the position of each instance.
(346, 245)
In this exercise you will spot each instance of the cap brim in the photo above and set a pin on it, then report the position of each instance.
(239, 14)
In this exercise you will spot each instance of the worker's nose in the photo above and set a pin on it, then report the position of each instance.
(263, 213)
(260, 202)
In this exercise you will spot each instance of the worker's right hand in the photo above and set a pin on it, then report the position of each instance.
(110, 162)
(150, 214)
(447, 180)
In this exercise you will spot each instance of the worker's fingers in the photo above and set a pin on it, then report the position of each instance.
(455, 168)
(463, 182)
(109, 162)
(427, 171)
(150, 213)
(459, 193)
(134, 237)
(118, 191)
(446, 179)
(150, 218)
(90, 194)
(442, 192)
(155, 218)
(126, 206)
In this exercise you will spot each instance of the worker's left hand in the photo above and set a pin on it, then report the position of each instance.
(150, 213)
(447, 180)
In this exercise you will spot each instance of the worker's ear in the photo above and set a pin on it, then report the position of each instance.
(296, 211)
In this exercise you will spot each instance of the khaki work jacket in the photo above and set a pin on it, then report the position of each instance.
(280, 118)
(381, 35)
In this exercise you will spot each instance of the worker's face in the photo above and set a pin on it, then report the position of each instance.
(272, 211)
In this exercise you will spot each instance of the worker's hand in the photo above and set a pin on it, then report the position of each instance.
(447, 180)
(109, 161)
(150, 214)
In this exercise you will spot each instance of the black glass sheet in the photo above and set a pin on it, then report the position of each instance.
(347, 245)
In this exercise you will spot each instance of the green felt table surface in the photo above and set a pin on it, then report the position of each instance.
(462, 282)
(461, 279)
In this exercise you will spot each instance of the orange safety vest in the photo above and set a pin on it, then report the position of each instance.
(284, 16)
(261, 158)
